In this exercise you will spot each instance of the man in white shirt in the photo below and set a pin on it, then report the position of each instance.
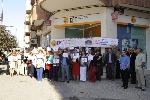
(140, 67)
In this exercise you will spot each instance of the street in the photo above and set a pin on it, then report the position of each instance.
(26, 88)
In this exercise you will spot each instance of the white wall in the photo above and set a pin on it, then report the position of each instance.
(56, 33)
(148, 47)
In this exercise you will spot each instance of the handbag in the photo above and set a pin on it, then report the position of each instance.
(48, 66)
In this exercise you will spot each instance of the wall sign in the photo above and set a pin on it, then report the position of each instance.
(48, 22)
(133, 19)
(77, 19)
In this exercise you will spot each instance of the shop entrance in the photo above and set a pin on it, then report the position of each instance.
(83, 31)
(131, 37)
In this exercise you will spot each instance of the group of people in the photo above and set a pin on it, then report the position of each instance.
(80, 64)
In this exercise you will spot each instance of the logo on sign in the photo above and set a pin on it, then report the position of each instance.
(104, 42)
(48, 22)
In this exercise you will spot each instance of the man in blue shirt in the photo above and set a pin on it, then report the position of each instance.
(124, 65)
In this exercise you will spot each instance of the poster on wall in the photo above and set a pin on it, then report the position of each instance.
(129, 43)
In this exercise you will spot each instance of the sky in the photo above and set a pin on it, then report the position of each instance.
(14, 15)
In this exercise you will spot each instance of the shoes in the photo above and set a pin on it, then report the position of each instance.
(62, 81)
(133, 82)
(125, 87)
(67, 81)
(138, 87)
(143, 90)
(112, 79)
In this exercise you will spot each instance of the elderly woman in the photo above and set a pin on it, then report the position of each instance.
(40, 65)
(12, 63)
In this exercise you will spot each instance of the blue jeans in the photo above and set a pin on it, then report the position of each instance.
(63, 69)
(39, 73)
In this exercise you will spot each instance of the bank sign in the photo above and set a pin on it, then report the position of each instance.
(77, 19)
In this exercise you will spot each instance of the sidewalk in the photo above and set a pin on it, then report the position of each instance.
(26, 88)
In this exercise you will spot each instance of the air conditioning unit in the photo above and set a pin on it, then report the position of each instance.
(33, 41)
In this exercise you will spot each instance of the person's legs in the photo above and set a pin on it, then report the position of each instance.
(54, 73)
(57, 73)
(26, 69)
(112, 72)
(40, 74)
(63, 73)
(67, 72)
(126, 78)
(142, 79)
(109, 71)
(32, 70)
(138, 78)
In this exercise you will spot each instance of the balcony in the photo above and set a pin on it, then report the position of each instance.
(27, 19)
(27, 29)
(37, 17)
(28, 7)
(27, 39)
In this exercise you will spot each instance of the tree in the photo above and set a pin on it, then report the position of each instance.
(7, 40)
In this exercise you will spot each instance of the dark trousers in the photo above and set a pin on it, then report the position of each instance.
(124, 74)
(31, 70)
(51, 72)
(44, 73)
(59, 72)
(70, 72)
(35, 73)
(118, 71)
(110, 71)
(55, 71)
(99, 73)
(133, 74)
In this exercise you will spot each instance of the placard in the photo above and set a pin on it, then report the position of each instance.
(55, 48)
(84, 59)
(72, 47)
(48, 49)
(76, 55)
(65, 54)
(90, 57)
(56, 60)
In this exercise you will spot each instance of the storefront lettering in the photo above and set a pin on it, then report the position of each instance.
(74, 19)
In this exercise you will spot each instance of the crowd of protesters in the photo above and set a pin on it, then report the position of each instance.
(80, 64)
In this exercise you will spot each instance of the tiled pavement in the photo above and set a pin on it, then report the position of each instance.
(25, 88)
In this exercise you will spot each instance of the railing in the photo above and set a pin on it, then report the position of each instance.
(140, 3)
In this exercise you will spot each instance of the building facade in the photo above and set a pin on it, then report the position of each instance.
(34, 20)
(126, 20)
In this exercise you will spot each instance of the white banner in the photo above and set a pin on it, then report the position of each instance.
(85, 42)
